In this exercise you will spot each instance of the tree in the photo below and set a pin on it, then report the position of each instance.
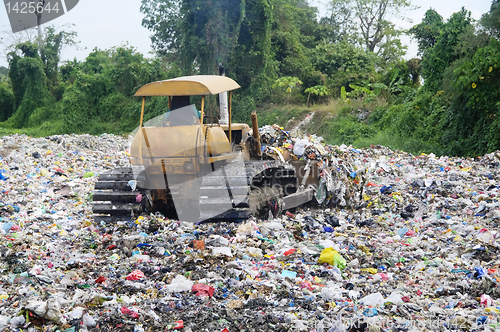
(368, 19)
(199, 34)
(293, 31)
(344, 64)
(427, 32)
(444, 51)
(491, 20)
(4, 73)
(163, 18)
(203, 32)
(287, 83)
(340, 24)
(50, 53)
(6, 101)
(29, 84)
(318, 90)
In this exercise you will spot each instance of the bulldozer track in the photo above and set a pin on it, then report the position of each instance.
(116, 194)
(235, 192)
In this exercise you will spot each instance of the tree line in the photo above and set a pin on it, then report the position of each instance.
(281, 53)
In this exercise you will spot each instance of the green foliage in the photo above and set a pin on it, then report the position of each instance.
(287, 83)
(428, 32)
(162, 18)
(442, 54)
(29, 85)
(342, 129)
(318, 90)
(293, 31)
(344, 64)
(4, 73)
(359, 91)
(343, 94)
(491, 20)
(50, 53)
(103, 88)
(393, 81)
(340, 24)
(285, 116)
(476, 107)
(204, 32)
(242, 108)
(16, 80)
(6, 101)
(252, 64)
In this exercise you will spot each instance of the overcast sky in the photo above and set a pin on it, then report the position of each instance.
(107, 23)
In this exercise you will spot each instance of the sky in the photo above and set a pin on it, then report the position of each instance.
(107, 23)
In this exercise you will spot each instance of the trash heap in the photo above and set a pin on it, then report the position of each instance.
(399, 243)
(342, 171)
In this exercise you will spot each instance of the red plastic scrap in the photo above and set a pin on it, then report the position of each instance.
(100, 280)
(179, 324)
(136, 275)
(14, 228)
(225, 330)
(106, 237)
(203, 290)
(289, 251)
(410, 233)
(128, 312)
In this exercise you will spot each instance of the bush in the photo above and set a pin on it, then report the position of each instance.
(6, 102)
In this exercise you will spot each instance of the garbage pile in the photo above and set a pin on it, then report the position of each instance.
(342, 172)
(413, 247)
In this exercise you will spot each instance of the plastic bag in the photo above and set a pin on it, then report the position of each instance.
(247, 228)
(136, 275)
(222, 251)
(131, 313)
(50, 310)
(300, 147)
(202, 290)
(332, 257)
(18, 321)
(4, 320)
(88, 320)
(180, 284)
(372, 300)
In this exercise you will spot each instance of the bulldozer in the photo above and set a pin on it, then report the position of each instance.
(194, 167)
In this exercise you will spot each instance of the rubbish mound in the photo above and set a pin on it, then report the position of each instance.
(398, 243)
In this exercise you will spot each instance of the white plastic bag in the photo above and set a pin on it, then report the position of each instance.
(300, 147)
(180, 284)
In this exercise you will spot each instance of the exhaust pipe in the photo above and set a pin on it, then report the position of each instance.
(256, 135)
(224, 113)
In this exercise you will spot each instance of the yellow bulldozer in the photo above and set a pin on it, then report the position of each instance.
(193, 167)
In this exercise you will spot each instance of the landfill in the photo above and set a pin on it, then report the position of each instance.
(394, 242)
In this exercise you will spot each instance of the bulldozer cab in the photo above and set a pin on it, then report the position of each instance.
(180, 89)
(181, 112)
(179, 141)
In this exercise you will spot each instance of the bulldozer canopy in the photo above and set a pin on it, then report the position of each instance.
(189, 86)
